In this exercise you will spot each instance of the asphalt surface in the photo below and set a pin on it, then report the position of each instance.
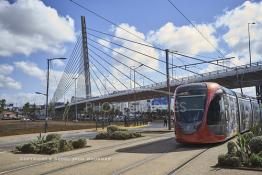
(10, 142)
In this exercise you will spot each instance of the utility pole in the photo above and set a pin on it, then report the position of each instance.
(75, 100)
(168, 88)
(135, 85)
(249, 41)
(47, 89)
(86, 58)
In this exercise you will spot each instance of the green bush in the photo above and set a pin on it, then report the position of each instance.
(136, 134)
(112, 128)
(231, 148)
(65, 146)
(255, 144)
(51, 147)
(80, 143)
(52, 137)
(18, 148)
(102, 135)
(121, 135)
(227, 160)
(257, 130)
(28, 148)
(256, 160)
(260, 154)
(248, 136)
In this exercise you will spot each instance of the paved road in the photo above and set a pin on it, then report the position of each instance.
(10, 142)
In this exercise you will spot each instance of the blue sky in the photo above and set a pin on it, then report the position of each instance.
(153, 20)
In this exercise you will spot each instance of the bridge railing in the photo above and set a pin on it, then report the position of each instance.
(182, 79)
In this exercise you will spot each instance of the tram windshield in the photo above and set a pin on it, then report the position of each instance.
(190, 104)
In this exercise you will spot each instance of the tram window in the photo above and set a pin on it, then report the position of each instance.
(213, 115)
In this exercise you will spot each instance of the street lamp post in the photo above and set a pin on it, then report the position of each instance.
(75, 99)
(40, 93)
(249, 41)
(47, 89)
(135, 85)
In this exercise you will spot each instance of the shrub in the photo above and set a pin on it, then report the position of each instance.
(121, 135)
(248, 136)
(51, 147)
(260, 154)
(232, 148)
(18, 148)
(102, 135)
(227, 160)
(28, 148)
(256, 160)
(52, 137)
(113, 128)
(80, 143)
(65, 146)
(255, 144)
(257, 130)
(136, 134)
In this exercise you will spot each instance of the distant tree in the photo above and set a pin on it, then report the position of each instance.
(26, 109)
(33, 111)
(2, 105)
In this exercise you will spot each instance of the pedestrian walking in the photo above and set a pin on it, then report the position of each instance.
(165, 122)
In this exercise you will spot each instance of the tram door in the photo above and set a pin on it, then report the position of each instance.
(230, 114)
(245, 114)
(216, 116)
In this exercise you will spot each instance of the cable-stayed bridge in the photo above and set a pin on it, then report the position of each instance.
(108, 68)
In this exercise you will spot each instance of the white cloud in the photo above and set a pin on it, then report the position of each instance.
(185, 38)
(20, 99)
(236, 37)
(58, 63)
(5, 80)
(136, 56)
(8, 82)
(28, 26)
(105, 43)
(31, 69)
(6, 69)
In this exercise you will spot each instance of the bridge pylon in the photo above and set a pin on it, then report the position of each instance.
(86, 58)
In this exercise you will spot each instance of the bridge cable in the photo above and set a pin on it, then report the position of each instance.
(112, 65)
(120, 62)
(108, 71)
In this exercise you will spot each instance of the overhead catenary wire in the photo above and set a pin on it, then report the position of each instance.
(194, 26)
(104, 18)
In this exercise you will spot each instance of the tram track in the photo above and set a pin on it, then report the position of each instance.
(186, 162)
(113, 153)
(150, 158)
(116, 146)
